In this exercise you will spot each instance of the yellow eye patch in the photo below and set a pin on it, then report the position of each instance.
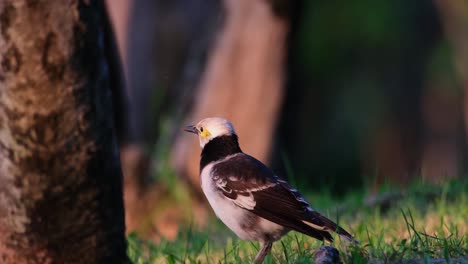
(204, 132)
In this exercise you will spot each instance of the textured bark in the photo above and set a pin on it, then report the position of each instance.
(243, 81)
(60, 192)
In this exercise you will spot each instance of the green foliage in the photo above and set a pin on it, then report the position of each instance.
(425, 222)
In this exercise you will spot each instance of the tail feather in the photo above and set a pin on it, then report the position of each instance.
(320, 222)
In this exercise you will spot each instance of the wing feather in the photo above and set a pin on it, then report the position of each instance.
(252, 186)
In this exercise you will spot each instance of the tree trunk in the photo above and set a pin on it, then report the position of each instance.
(60, 192)
(243, 81)
(454, 18)
(119, 13)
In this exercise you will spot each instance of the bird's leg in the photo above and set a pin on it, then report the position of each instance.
(266, 248)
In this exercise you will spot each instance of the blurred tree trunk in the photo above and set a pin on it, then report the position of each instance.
(119, 13)
(163, 44)
(441, 153)
(454, 17)
(60, 192)
(401, 149)
(243, 81)
(135, 160)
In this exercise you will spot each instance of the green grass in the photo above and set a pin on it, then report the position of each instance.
(424, 222)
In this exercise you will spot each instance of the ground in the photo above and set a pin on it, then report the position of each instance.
(423, 224)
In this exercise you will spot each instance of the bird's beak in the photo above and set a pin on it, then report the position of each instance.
(191, 129)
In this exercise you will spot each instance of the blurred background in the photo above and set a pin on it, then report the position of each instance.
(334, 95)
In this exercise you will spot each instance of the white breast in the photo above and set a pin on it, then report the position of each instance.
(225, 209)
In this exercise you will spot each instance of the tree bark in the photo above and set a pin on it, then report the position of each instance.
(60, 191)
(243, 81)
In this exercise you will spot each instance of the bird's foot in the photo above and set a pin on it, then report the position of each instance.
(265, 250)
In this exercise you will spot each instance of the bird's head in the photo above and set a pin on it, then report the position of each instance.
(210, 128)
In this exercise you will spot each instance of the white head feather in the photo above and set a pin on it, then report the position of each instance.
(213, 127)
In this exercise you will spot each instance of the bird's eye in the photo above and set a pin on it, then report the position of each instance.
(201, 129)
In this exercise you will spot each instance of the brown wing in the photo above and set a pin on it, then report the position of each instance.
(252, 186)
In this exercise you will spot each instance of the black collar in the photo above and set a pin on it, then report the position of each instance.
(219, 148)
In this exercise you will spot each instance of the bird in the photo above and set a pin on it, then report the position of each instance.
(252, 201)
